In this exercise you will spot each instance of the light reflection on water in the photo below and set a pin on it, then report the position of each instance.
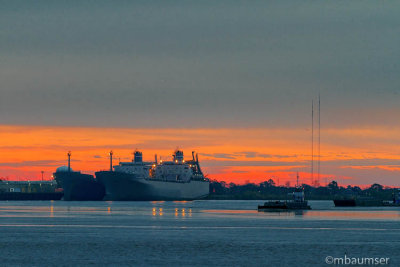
(187, 209)
(190, 233)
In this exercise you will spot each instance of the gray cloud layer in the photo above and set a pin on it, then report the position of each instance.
(198, 63)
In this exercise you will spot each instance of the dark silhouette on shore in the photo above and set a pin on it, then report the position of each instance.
(270, 191)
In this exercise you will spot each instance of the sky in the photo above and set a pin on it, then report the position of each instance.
(232, 80)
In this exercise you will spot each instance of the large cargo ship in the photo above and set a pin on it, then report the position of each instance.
(78, 186)
(170, 180)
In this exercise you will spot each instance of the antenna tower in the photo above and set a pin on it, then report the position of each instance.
(312, 142)
(319, 137)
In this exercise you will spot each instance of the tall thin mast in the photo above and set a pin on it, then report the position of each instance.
(69, 161)
(312, 142)
(111, 158)
(319, 137)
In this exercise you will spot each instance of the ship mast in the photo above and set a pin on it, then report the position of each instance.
(111, 159)
(69, 161)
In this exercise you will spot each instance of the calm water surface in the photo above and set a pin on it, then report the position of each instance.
(197, 233)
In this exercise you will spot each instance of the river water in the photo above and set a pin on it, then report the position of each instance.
(194, 233)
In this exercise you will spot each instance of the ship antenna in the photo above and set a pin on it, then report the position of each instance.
(297, 179)
(312, 142)
(111, 158)
(69, 161)
(197, 163)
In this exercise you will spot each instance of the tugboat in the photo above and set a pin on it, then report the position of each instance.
(297, 203)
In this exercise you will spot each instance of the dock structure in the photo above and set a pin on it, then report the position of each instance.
(28, 186)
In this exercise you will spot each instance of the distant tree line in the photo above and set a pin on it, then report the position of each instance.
(269, 190)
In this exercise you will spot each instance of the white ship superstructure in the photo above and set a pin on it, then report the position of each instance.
(137, 166)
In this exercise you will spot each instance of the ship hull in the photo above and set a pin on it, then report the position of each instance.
(358, 202)
(79, 187)
(123, 186)
(344, 202)
(282, 206)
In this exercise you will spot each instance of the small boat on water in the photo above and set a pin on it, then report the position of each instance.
(344, 202)
(297, 202)
(367, 201)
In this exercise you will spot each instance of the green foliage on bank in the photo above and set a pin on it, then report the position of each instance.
(269, 191)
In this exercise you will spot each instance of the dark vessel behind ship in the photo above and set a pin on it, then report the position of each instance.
(297, 202)
(78, 186)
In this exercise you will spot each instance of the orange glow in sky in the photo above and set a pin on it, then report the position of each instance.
(350, 156)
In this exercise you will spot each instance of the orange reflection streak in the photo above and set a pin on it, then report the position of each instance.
(260, 155)
(231, 211)
(155, 202)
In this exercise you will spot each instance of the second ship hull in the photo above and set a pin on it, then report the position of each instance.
(124, 186)
(78, 186)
